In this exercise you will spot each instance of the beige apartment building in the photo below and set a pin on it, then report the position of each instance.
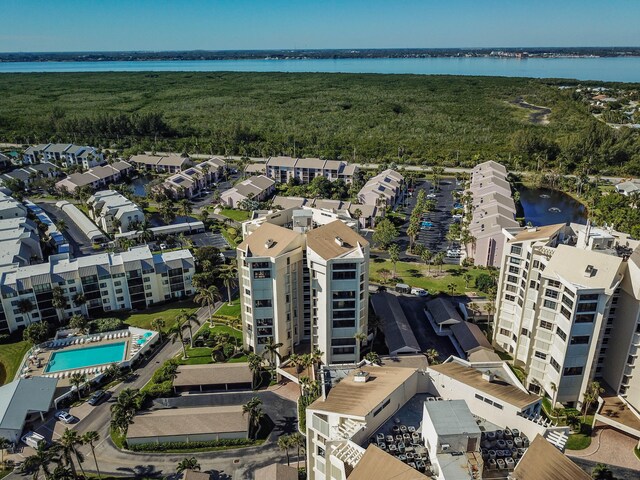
(568, 310)
(301, 282)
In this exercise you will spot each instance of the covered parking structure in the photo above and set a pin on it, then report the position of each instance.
(198, 424)
(86, 226)
(398, 334)
(211, 378)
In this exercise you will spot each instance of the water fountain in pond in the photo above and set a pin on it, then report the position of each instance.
(544, 195)
(555, 210)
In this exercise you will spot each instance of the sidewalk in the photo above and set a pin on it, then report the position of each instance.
(610, 447)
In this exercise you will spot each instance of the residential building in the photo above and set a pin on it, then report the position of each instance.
(80, 220)
(34, 153)
(96, 177)
(628, 187)
(64, 154)
(253, 189)
(493, 211)
(367, 215)
(568, 310)
(10, 207)
(276, 471)
(132, 280)
(19, 242)
(194, 179)
(171, 163)
(56, 239)
(29, 173)
(85, 156)
(113, 212)
(300, 284)
(283, 169)
(24, 400)
(385, 189)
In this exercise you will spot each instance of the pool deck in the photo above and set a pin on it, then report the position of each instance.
(44, 354)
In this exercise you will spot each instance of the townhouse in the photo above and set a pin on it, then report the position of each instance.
(10, 207)
(113, 212)
(300, 284)
(568, 310)
(19, 242)
(29, 173)
(245, 193)
(385, 189)
(64, 154)
(96, 177)
(171, 163)
(194, 179)
(93, 285)
(283, 169)
(493, 210)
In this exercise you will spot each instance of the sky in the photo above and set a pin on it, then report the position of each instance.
(102, 25)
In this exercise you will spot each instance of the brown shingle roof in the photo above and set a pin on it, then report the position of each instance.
(376, 464)
(217, 374)
(282, 239)
(189, 421)
(537, 233)
(497, 388)
(323, 240)
(360, 399)
(277, 471)
(543, 461)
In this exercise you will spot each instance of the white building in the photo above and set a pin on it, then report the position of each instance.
(385, 189)
(132, 280)
(111, 209)
(96, 177)
(10, 207)
(65, 154)
(283, 169)
(253, 189)
(187, 183)
(19, 242)
(304, 284)
(171, 163)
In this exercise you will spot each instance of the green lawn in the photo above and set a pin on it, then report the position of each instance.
(227, 310)
(168, 312)
(578, 441)
(202, 355)
(237, 215)
(11, 354)
(418, 275)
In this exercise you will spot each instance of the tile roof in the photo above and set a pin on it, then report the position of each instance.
(334, 240)
(543, 461)
(282, 239)
(215, 374)
(377, 464)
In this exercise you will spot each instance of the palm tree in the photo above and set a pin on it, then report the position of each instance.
(77, 380)
(372, 357)
(207, 296)
(285, 443)
(69, 443)
(432, 356)
(177, 333)
(298, 441)
(90, 438)
(590, 396)
(254, 409)
(123, 411)
(360, 338)
(426, 257)
(189, 318)
(357, 213)
(271, 351)
(158, 324)
(79, 323)
(255, 365)
(394, 256)
(452, 288)
(188, 464)
(229, 276)
(40, 461)
(467, 278)
(4, 444)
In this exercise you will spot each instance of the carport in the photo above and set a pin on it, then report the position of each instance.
(211, 378)
(398, 334)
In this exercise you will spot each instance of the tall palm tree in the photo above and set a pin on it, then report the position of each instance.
(255, 365)
(285, 443)
(91, 438)
(357, 213)
(271, 351)
(188, 318)
(207, 296)
(4, 444)
(298, 441)
(158, 323)
(69, 443)
(41, 461)
(177, 333)
(123, 411)
(432, 356)
(229, 276)
(188, 464)
(77, 380)
(254, 409)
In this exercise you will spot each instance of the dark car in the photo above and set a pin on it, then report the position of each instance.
(97, 397)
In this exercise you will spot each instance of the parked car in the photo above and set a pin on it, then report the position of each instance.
(420, 292)
(97, 397)
(454, 253)
(431, 195)
(163, 246)
(32, 439)
(64, 417)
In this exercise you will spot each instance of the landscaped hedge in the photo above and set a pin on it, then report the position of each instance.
(102, 325)
(169, 446)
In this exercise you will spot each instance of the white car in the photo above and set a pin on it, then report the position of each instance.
(431, 195)
(163, 246)
(454, 253)
(457, 216)
(64, 417)
(419, 292)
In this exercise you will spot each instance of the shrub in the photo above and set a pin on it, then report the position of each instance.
(163, 447)
(102, 325)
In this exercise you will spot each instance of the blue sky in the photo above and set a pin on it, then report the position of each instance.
(85, 25)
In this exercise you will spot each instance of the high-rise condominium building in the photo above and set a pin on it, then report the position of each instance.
(304, 283)
(568, 310)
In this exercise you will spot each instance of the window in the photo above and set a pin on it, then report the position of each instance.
(344, 266)
(524, 332)
(259, 274)
(566, 313)
(540, 355)
(550, 304)
(585, 318)
(572, 371)
(511, 298)
(514, 260)
(555, 365)
(263, 265)
(580, 340)
(536, 264)
(590, 296)
(551, 293)
(512, 279)
(516, 249)
(504, 331)
(120, 299)
(587, 307)
(344, 323)
(262, 303)
(513, 269)
(561, 334)
(118, 290)
(554, 283)
(546, 325)
(343, 275)
(567, 301)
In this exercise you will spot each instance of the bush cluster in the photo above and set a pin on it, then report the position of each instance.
(102, 325)
(168, 446)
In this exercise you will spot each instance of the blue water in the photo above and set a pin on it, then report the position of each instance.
(620, 69)
(86, 357)
(548, 207)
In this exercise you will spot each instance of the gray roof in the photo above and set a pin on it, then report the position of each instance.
(451, 417)
(469, 336)
(443, 311)
(398, 334)
(22, 396)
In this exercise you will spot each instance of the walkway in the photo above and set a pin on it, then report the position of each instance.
(610, 447)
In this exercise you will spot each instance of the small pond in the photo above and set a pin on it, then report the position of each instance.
(546, 207)
(139, 183)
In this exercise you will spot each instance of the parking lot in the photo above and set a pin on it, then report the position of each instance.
(433, 235)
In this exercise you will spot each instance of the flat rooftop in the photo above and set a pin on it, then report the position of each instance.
(451, 417)
(361, 398)
(216, 374)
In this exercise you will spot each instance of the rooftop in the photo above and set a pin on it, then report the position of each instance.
(398, 334)
(334, 240)
(537, 233)
(451, 417)
(543, 461)
(361, 398)
(276, 471)
(269, 240)
(571, 264)
(189, 421)
(216, 374)
(22, 396)
(379, 465)
(498, 388)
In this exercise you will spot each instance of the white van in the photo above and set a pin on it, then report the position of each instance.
(32, 439)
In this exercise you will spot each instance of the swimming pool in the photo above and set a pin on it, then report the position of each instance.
(86, 357)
